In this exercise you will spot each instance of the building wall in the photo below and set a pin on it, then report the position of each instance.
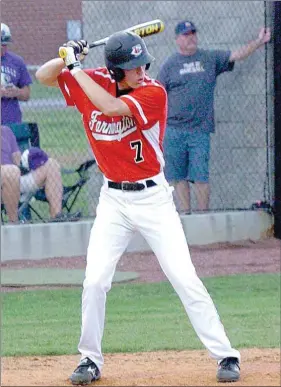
(39, 27)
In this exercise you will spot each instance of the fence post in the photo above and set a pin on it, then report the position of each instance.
(277, 117)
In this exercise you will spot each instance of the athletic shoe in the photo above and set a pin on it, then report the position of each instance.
(86, 373)
(228, 370)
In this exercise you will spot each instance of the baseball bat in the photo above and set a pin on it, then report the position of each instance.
(144, 29)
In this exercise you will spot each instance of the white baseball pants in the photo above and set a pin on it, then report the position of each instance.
(152, 212)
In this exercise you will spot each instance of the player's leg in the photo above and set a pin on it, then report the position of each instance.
(163, 231)
(199, 155)
(176, 164)
(109, 238)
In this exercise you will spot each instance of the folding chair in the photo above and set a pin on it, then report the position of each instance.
(70, 194)
(27, 135)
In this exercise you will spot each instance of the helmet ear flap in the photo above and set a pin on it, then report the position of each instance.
(117, 74)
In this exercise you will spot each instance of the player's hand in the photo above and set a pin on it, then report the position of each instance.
(264, 36)
(71, 59)
(81, 48)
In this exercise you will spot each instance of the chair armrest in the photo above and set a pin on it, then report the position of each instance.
(82, 167)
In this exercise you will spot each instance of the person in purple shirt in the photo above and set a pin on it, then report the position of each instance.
(43, 172)
(15, 81)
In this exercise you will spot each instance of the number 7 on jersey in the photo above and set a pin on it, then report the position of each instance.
(137, 145)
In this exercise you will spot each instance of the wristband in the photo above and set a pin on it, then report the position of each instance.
(74, 67)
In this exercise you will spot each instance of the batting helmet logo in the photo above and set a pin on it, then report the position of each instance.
(136, 50)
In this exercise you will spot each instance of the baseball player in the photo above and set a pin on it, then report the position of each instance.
(124, 114)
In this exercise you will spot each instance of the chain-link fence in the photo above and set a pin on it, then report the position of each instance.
(241, 162)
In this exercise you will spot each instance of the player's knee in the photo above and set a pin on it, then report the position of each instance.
(97, 285)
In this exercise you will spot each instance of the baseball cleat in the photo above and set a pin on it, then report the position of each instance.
(86, 373)
(228, 370)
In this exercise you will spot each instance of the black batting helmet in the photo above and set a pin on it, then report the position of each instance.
(125, 51)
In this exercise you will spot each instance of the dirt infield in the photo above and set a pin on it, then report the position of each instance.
(260, 367)
(184, 368)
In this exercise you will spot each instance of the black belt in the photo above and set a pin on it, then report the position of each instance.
(127, 186)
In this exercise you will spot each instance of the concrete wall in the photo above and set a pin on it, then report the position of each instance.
(50, 240)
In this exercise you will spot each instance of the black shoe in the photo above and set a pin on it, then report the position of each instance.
(228, 370)
(86, 373)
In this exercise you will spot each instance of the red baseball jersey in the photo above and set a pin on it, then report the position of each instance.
(125, 148)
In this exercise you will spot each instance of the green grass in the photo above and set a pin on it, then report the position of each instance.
(38, 91)
(61, 129)
(61, 132)
(142, 317)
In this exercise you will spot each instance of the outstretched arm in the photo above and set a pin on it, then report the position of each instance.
(245, 51)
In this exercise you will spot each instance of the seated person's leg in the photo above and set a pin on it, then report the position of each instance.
(10, 185)
(49, 177)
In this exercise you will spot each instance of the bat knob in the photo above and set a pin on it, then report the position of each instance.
(62, 52)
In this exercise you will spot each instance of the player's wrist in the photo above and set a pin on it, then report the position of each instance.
(74, 68)
(71, 60)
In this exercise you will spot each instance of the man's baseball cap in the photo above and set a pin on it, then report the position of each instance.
(184, 28)
(6, 37)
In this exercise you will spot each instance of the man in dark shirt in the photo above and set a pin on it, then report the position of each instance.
(189, 77)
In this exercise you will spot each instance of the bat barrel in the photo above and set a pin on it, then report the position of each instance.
(143, 30)
(149, 28)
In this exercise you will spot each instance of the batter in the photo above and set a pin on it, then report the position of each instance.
(124, 115)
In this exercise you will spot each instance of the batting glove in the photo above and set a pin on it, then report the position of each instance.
(75, 52)
(71, 60)
(81, 47)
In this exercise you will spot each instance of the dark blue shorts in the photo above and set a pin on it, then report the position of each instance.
(186, 155)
